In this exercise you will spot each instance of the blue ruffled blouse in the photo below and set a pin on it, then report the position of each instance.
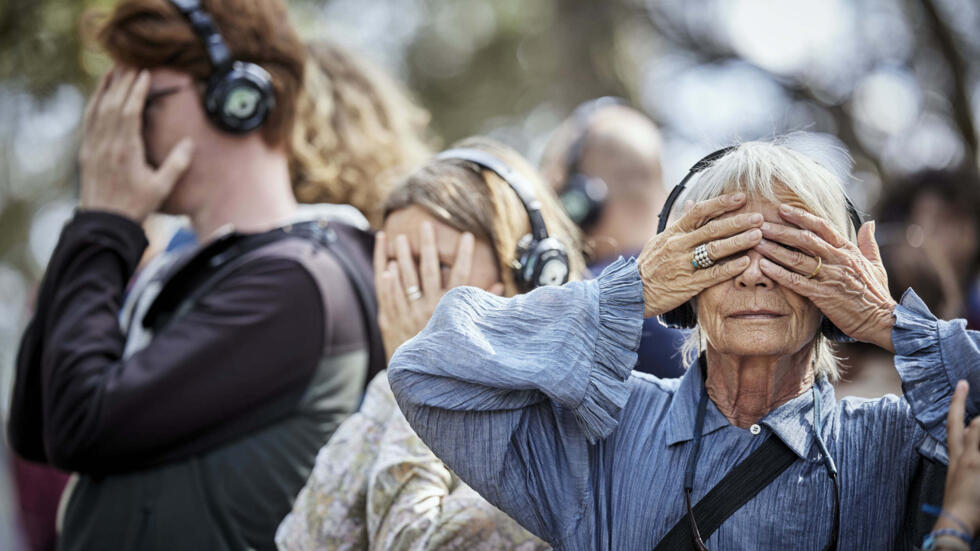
(531, 400)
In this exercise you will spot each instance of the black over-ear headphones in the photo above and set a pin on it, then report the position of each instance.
(584, 196)
(239, 96)
(684, 316)
(541, 260)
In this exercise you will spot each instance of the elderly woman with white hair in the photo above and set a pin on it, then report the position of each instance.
(531, 399)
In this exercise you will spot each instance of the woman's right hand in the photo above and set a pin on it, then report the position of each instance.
(962, 498)
(669, 277)
(409, 291)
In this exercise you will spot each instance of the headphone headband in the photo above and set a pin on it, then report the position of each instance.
(583, 117)
(204, 27)
(514, 179)
(541, 260)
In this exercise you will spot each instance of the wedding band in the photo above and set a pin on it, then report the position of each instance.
(817, 271)
(413, 293)
(701, 258)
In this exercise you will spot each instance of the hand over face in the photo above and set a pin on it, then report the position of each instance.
(847, 282)
(669, 277)
(115, 174)
(409, 290)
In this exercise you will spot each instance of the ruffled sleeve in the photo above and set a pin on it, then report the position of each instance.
(620, 306)
(931, 355)
(511, 393)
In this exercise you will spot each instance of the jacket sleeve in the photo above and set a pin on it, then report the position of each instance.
(931, 355)
(513, 393)
(79, 405)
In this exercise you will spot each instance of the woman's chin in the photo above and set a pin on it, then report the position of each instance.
(756, 338)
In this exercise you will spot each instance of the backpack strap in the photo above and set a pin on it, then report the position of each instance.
(202, 272)
(739, 486)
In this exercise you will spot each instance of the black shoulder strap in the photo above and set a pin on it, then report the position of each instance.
(740, 485)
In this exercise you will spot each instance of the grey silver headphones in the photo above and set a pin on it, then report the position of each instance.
(541, 260)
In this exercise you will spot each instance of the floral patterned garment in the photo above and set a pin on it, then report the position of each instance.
(377, 486)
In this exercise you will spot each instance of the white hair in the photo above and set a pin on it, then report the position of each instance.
(766, 170)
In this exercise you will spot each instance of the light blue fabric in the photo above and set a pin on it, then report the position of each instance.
(532, 402)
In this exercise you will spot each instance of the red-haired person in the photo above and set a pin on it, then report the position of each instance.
(192, 405)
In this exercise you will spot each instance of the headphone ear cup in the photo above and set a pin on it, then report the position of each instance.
(540, 263)
(833, 334)
(583, 198)
(239, 99)
(682, 317)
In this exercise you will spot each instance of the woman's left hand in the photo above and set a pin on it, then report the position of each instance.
(847, 282)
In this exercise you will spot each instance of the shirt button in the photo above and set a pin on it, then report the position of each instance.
(755, 429)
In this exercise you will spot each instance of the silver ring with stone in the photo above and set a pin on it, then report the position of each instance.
(413, 293)
(701, 258)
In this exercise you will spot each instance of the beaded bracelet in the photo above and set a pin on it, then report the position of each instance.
(930, 542)
(937, 512)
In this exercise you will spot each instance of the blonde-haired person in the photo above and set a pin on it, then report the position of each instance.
(375, 484)
(532, 402)
(357, 132)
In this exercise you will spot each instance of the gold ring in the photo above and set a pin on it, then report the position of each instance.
(817, 271)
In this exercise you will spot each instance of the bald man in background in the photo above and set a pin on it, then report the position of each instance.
(604, 163)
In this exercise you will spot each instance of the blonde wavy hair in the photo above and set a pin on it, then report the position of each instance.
(478, 201)
(356, 132)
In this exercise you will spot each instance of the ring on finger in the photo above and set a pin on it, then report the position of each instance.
(817, 269)
(413, 293)
(701, 259)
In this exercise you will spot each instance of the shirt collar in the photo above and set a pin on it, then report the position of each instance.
(684, 407)
(791, 422)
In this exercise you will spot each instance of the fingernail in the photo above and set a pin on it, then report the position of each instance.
(872, 228)
(786, 209)
(738, 197)
(742, 262)
(754, 234)
(755, 218)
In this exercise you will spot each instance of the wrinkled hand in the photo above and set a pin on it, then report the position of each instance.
(962, 498)
(115, 174)
(669, 277)
(400, 316)
(850, 287)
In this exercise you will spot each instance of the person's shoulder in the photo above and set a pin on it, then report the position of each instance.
(649, 391)
(646, 382)
(876, 411)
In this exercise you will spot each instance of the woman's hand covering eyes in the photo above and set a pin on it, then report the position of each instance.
(846, 281)
(669, 277)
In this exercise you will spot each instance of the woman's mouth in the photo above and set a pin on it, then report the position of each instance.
(756, 315)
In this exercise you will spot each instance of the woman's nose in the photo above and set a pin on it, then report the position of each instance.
(753, 275)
